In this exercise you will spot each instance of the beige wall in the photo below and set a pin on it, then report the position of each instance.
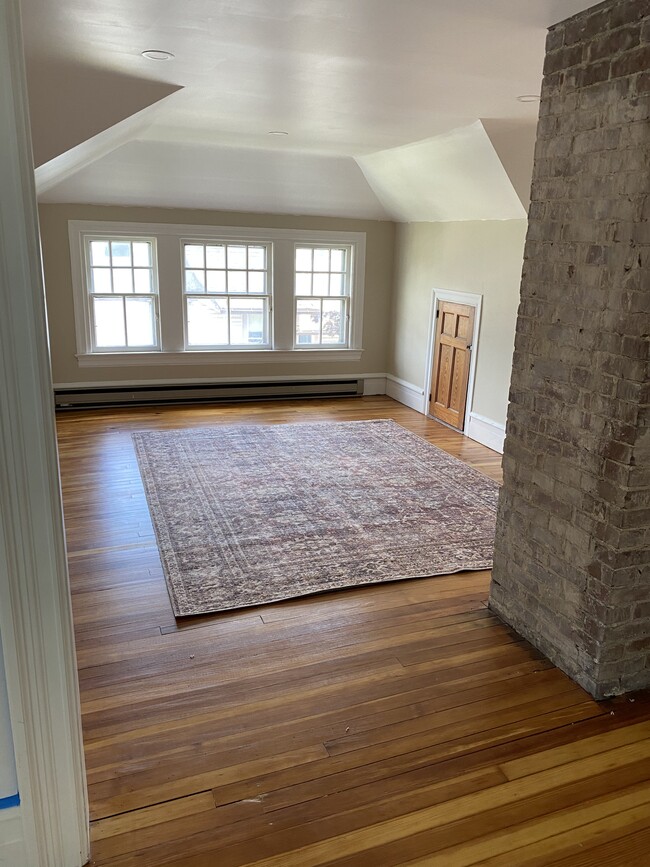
(380, 241)
(480, 257)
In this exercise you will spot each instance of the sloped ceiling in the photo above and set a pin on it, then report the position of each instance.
(69, 104)
(393, 88)
(456, 176)
(230, 179)
(514, 143)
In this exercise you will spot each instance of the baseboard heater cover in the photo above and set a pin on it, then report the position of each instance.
(164, 394)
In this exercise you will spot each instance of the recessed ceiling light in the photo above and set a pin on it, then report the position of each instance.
(278, 132)
(155, 54)
(529, 97)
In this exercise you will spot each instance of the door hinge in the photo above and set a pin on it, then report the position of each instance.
(430, 398)
(437, 312)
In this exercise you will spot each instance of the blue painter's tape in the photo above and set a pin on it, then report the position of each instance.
(11, 801)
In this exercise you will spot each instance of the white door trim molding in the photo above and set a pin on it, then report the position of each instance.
(35, 610)
(471, 300)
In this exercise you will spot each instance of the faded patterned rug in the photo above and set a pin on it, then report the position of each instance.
(251, 514)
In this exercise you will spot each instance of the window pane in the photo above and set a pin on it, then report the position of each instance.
(236, 281)
(102, 280)
(194, 256)
(236, 256)
(303, 284)
(256, 281)
(321, 284)
(337, 261)
(216, 281)
(122, 280)
(142, 279)
(333, 321)
(141, 254)
(336, 284)
(321, 260)
(303, 259)
(215, 256)
(257, 257)
(99, 253)
(246, 321)
(121, 251)
(207, 322)
(109, 322)
(195, 281)
(140, 322)
(308, 321)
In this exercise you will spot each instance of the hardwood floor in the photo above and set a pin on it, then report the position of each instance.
(389, 725)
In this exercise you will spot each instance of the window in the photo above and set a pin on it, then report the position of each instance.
(158, 293)
(322, 289)
(122, 293)
(226, 294)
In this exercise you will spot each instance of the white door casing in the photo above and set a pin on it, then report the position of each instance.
(35, 611)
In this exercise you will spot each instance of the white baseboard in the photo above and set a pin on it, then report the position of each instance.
(374, 384)
(12, 849)
(405, 392)
(485, 431)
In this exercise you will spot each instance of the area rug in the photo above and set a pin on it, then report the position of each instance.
(251, 514)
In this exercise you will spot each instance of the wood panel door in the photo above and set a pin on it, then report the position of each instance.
(451, 359)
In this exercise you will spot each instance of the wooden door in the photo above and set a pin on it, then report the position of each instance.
(451, 358)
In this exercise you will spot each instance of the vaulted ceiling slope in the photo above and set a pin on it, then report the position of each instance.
(381, 100)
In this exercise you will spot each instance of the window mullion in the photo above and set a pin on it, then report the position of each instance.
(282, 290)
(126, 329)
(171, 305)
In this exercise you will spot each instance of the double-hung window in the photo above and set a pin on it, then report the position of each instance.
(322, 283)
(157, 293)
(227, 295)
(122, 290)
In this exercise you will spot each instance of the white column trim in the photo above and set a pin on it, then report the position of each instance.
(472, 300)
(35, 611)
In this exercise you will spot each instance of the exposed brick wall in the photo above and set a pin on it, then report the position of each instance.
(572, 558)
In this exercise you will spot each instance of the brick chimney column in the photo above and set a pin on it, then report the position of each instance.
(572, 555)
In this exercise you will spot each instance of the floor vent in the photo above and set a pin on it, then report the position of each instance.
(77, 398)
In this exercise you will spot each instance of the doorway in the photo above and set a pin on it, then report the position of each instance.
(452, 357)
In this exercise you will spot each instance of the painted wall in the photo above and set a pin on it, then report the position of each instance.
(481, 257)
(380, 240)
(8, 782)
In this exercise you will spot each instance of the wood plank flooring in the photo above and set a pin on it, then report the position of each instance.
(389, 725)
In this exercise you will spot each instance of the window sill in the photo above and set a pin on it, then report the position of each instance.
(247, 356)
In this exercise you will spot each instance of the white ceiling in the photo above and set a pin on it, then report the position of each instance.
(348, 79)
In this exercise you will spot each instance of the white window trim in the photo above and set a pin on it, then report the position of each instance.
(78, 229)
(227, 356)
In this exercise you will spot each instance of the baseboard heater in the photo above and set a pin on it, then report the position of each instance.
(77, 398)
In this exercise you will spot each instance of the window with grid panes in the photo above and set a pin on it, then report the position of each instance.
(226, 293)
(122, 290)
(223, 292)
(322, 295)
